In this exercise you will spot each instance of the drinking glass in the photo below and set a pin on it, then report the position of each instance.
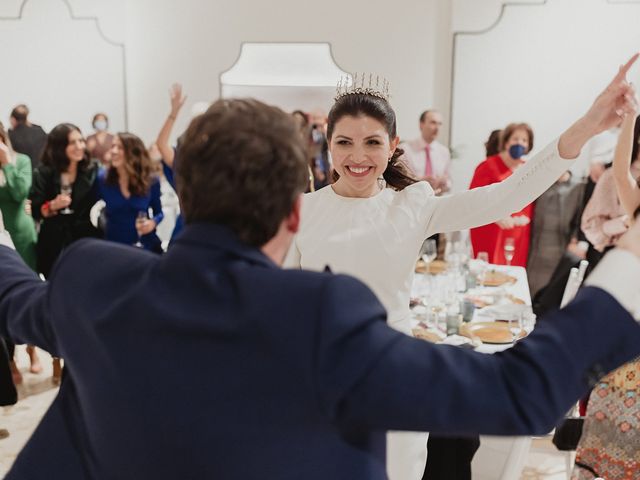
(141, 219)
(428, 252)
(66, 189)
(515, 326)
(483, 258)
(509, 249)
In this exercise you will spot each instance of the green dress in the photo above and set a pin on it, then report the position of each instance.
(13, 196)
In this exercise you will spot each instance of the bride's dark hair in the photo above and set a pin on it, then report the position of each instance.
(396, 174)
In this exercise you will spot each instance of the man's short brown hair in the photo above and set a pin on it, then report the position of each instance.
(242, 164)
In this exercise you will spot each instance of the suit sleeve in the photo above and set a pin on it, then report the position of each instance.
(24, 304)
(372, 377)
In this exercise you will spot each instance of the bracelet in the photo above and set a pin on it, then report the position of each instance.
(46, 207)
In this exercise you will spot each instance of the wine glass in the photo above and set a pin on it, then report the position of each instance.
(483, 258)
(66, 189)
(515, 326)
(509, 249)
(428, 252)
(141, 219)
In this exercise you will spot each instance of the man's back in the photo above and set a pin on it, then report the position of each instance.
(29, 140)
(212, 325)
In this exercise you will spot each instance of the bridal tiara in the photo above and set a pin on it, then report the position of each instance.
(378, 87)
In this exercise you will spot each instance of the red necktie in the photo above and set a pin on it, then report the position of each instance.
(428, 166)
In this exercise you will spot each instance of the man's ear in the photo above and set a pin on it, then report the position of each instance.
(292, 221)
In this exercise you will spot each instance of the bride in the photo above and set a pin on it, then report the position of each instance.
(372, 221)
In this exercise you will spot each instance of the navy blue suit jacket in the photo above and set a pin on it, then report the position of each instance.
(212, 362)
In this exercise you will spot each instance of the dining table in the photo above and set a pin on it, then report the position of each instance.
(447, 293)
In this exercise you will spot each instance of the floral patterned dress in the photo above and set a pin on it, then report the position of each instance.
(610, 443)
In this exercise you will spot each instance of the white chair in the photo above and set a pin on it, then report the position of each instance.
(576, 276)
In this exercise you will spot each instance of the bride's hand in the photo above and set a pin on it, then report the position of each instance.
(616, 101)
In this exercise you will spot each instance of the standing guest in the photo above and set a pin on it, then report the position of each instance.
(516, 141)
(15, 183)
(319, 157)
(426, 157)
(605, 218)
(610, 443)
(554, 230)
(99, 143)
(492, 145)
(305, 132)
(167, 152)
(26, 137)
(307, 374)
(63, 192)
(129, 189)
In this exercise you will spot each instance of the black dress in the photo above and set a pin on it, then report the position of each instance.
(59, 231)
(8, 394)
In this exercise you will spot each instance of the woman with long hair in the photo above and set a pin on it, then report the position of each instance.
(129, 188)
(372, 221)
(63, 192)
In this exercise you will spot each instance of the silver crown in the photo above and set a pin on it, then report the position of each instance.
(358, 85)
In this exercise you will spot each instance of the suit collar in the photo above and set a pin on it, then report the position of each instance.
(210, 235)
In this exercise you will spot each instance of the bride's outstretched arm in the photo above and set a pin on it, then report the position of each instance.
(485, 205)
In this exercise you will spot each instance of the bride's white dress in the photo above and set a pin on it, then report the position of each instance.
(377, 240)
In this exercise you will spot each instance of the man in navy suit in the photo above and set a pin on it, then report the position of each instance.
(212, 362)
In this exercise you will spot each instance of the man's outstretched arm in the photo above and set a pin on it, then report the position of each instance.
(24, 316)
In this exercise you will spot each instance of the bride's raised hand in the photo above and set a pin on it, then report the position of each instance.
(616, 101)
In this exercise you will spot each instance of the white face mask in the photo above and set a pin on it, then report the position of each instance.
(100, 125)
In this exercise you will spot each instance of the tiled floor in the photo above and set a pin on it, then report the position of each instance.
(37, 393)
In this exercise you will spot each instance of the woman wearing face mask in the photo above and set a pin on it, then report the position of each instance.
(516, 141)
(99, 144)
(372, 221)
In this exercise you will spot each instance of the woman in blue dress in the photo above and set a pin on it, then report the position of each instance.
(130, 189)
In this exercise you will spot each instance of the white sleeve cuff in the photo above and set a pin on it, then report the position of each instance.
(618, 273)
(5, 239)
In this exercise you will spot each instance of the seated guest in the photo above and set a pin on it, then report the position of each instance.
(129, 189)
(307, 375)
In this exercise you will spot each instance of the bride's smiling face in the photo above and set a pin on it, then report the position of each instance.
(360, 149)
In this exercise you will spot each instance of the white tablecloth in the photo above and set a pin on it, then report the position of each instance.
(502, 457)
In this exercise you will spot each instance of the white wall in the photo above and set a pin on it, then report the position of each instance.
(193, 41)
(542, 64)
(64, 69)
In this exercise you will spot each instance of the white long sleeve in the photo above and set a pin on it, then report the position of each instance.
(484, 205)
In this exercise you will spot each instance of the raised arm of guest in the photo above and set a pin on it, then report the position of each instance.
(177, 101)
(626, 157)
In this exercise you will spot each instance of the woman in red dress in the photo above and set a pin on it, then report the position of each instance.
(516, 140)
